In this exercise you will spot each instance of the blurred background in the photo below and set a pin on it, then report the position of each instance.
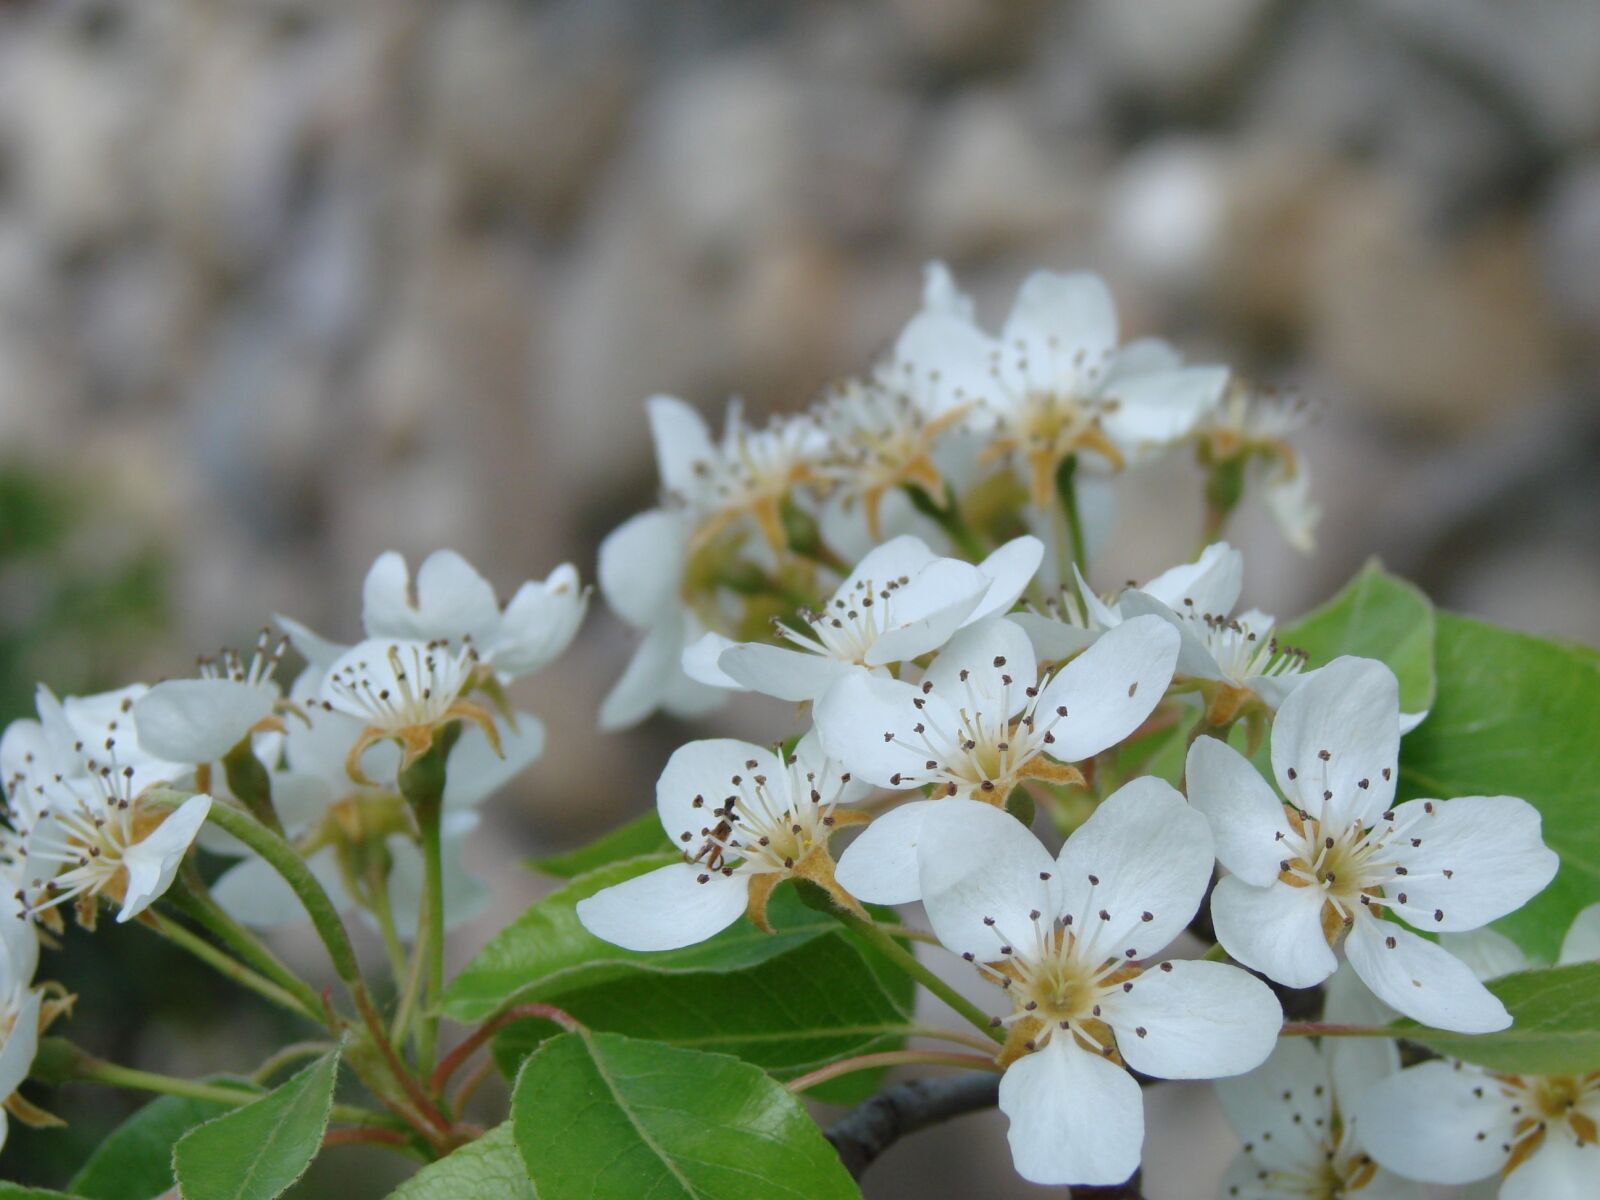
(285, 283)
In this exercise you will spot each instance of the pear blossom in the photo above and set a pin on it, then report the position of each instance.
(1070, 938)
(1296, 1112)
(405, 691)
(1337, 856)
(1055, 382)
(201, 720)
(1251, 428)
(747, 818)
(902, 601)
(452, 604)
(979, 724)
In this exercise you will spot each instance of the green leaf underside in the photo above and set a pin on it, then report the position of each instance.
(134, 1162)
(599, 1114)
(1519, 716)
(1555, 1029)
(258, 1151)
(546, 952)
(487, 1169)
(642, 835)
(1376, 615)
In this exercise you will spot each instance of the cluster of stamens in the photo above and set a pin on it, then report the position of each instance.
(851, 623)
(1241, 651)
(1342, 1169)
(258, 670)
(1540, 1105)
(417, 691)
(762, 824)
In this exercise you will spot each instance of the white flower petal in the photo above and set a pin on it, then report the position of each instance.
(777, 671)
(1209, 585)
(1421, 980)
(1143, 355)
(682, 443)
(315, 649)
(983, 874)
(898, 557)
(1492, 849)
(940, 293)
(1097, 609)
(1053, 641)
(1276, 930)
(983, 664)
(1075, 1118)
(647, 680)
(16, 1054)
(640, 566)
(1281, 1110)
(1582, 943)
(1200, 1020)
(701, 662)
(880, 866)
(944, 363)
(475, 772)
(1273, 690)
(153, 863)
(1010, 569)
(200, 720)
(1288, 499)
(1195, 659)
(1424, 1123)
(1351, 710)
(1157, 408)
(1110, 688)
(923, 615)
(665, 909)
(704, 771)
(453, 601)
(853, 717)
(1060, 320)
(253, 893)
(1135, 872)
(1409, 721)
(1488, 954)
(1357, 1063)
(1246, 815)
(19, 941)
(1560, 1169)
(539, 623)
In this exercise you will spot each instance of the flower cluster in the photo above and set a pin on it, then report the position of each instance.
(957, 435)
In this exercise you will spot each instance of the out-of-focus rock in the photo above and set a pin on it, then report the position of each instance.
(1570, 248)
(1446, 333)
(969, 34)
(1172, 51)
(1165, 213)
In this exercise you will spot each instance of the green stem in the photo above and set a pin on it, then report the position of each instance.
(422, 785)
(1215, 954)
(190, 896)
(408, 997)
(890, 948)
(292, 1053)
(1316, 1029)
(249, 781)
(891, 1058)
(228, 967)
(949, 519)
(378, 902)
(1067, 490)
(94, 1070)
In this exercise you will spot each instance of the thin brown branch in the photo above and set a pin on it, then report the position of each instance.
(451, 1062)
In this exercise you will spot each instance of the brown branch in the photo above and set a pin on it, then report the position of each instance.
(896, 1112)
(523, 1012)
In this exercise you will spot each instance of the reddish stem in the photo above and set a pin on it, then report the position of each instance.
(451, 1062)
(348, 1137)
(1316, 1029)
(403, 1077)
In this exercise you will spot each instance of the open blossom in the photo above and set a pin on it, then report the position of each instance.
(747, 818)
(1296, 1112)
(452, 604)
(1070, 939)
(200, 720)
(404, 691)
(1336, 856)
(1055, 383)
(902, 601)
(979, 724)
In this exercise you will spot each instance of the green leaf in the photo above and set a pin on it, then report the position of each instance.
(489, 1168)
(12, 1191)
(1555, 1025)
(1517, 716)
(598, 1114)
(135, 1161)
(1377, 615)
(256, 1152)
(643, 835)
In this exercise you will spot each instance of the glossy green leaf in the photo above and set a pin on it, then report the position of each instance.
(134, 1162)
(258, 1151)
(1555, 1030)
(1376, 615)
(1518, 716)
(489, 1168)
(12, 1191)
(642, 835)
(546, 952)
(599, 1114)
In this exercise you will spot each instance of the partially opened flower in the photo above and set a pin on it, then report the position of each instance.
(1296, 1112)
(406, 692)
(201, 720)
(1055, 381)
(1247, 435)
(1070, 938)
(902, 601)
(747, 818)
(1337, 856)
(979, 725)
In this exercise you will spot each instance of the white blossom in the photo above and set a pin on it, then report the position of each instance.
(747, 818)
(1338, 855)
(979, 724)
(1070, 938)
(200, 720)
